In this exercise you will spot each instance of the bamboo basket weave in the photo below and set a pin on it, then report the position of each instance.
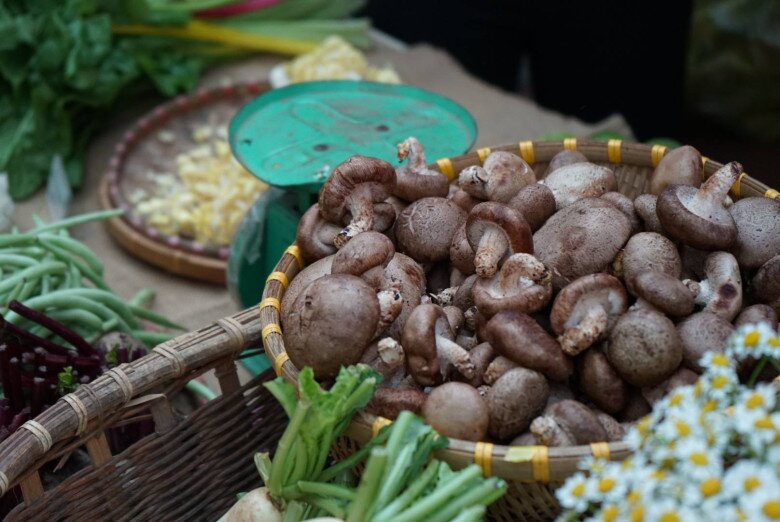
(532, 472)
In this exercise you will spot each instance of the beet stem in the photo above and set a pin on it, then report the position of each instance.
(57, 328)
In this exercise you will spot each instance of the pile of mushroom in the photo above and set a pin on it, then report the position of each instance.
(514, 309)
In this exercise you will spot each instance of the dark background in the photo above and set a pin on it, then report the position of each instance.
(584, 59)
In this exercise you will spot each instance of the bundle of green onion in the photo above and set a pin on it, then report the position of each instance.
(401, 482)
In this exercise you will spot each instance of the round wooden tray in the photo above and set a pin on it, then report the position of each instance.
(139, 151)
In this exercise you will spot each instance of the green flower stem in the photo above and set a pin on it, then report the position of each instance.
(283, 449)
(369, 484)
(757, 371)
(327, 490)
(439, 497)
(412, 492)
(351, 461)
(483, 494)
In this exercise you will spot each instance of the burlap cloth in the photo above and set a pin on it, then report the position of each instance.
(501, 118)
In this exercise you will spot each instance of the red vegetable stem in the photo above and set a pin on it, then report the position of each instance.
(5, 412)
(14, 389)
(122, 355)
(5, 374)
(55, 327)
(137, 354)
(235, 9)
(38, 396)
(31, 339)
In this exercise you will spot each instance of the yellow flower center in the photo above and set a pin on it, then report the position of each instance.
(676, 399)
(752, 338)
(606, 484)
(633, 497)
(720, 381)
(754, 401)
(774, 342)
(697, 389)
(772, 509)
(764, 423)
(720, 360)
(751, 483)
(642, 425)
(578, 490)
(709, 406)
(670, 516)
(658, 474)
(610, 513)
(638, 514)
(710, 487)
(741, 515)
(683, 428)
(699, 458)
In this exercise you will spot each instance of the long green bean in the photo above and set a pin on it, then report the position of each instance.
(76, 248)
(108, 299)
(8, 259)
(143, 313)
(31, 273)
(151, 339)
(64, 299)
(84, 269)
(78, 220)
(77, 316)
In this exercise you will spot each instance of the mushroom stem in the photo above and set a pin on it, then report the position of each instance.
(470, 318)
(361, 205)
(492, 247)
(498, 367)
(548, 432)
(716, 188)
(452, 354)
(702, 291)
(390, 305)
(411, 148)
(391, 352)
(590, 329)
(522, 271)
(472, 180)
(445, 297)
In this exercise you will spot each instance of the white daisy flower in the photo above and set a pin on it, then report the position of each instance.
(574, 493)
(763, 503)
(667, 510)
(745, 476)
(696, 460)
(753, 340)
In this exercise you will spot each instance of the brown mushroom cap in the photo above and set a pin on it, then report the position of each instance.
(522, 284)
(304, 278)
(498, 367)
(536, 203)
(405, 270)
(568, 423)
(415, 180)
(666, 293)
(636, 408)
(455, 409)
(365, 252)
(721, 292)
(601, 382)
(649, 252)
(758, 313)
(425, 229)
(519, 338)
(390, 402)
(581, 239)
(766, 283)
(314, 235)
(502, 176)
(481, 355)
(429, 347)
(626, 206)
(758, 231)
(514, 400)
(331, 323)
(682, 166)
(354, 187)
(464, 200)
(644, 347)
(564, 158)
(612, 427)
(682, 377)
(586, 310)
(645, 206)
(578, 181)
(461, 253)
(697, 217)
(496, 231)
(701, 333)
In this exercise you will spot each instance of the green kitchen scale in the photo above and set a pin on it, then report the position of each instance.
(292, 138)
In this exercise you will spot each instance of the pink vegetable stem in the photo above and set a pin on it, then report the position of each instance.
(236, 9)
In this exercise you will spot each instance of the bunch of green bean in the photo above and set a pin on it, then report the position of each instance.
(49, 271)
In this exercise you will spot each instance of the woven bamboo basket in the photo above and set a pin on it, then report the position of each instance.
(533, 472)
(189, 469)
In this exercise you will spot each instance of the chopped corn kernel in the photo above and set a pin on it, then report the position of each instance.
(206, 198)
(336, 59)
